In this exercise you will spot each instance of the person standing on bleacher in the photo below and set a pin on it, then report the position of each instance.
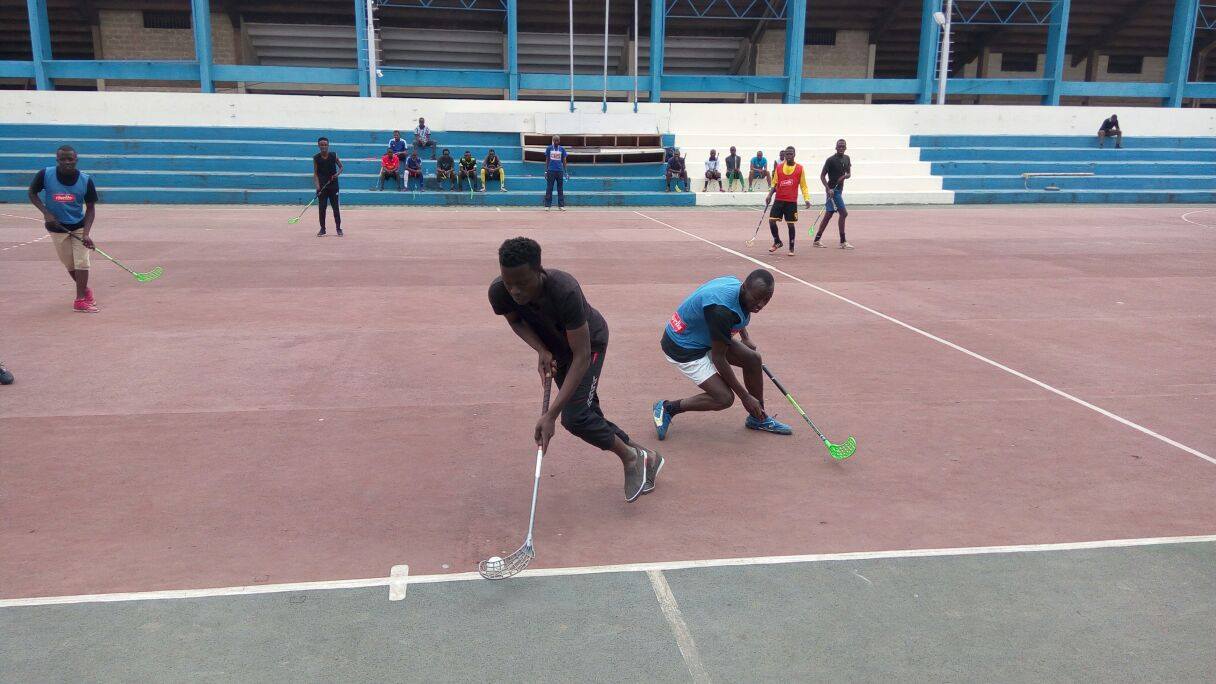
(555, 174)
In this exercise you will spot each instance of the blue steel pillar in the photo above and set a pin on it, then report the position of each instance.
(795, 35)
(200, 18)
(40, 41)
(1057, 38)
(1182, 41)
(364, 63)
(513, 49)
(658, 27)
(926, 60)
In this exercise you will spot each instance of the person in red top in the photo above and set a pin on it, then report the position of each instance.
(787, 178)
(390, 167)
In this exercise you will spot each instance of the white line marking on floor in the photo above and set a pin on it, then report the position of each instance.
(398, 582)
(1196, 223)
(27, 218)
(22, 244)
(684, 640)
(600, 569)
(948, 343)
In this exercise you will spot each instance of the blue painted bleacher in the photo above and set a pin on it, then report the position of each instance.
(193, 165)
(988, 169)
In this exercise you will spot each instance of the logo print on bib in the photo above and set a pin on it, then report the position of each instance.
(677, 323)
(63, 197)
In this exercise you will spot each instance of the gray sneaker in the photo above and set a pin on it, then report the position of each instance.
(635, 477)
(654, 464)
(6, 378)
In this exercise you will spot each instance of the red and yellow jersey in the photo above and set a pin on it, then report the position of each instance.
(787, 180)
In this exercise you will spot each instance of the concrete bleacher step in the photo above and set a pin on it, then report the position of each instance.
(110, 180)
(309, 135)
(230, 148)
(1065, 141)
(1096, 182)
(852, 198)
(287, 165)
(161, 195)
(863, 183)
(1006, 168)
(1065, 154)
(1083, 196)
(804, 143)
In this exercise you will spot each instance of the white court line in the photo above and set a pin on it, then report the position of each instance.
(948, 343)
(675, 618)
(27, 218)
(601, 569)
(1196, 223)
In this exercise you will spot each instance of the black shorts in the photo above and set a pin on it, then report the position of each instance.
(784, 210)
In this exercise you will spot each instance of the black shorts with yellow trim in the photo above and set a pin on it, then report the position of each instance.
(784, 210)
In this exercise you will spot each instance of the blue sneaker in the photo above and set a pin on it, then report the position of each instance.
(662, 420)
(769, 424)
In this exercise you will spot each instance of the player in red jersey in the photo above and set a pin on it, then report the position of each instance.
(787, 178)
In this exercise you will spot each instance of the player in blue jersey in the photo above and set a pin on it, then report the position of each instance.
(65, 196)
(705, 337)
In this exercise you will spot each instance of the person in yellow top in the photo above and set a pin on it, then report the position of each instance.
(492, 166)
(787, 178)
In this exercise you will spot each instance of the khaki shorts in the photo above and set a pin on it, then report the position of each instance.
(73, 253)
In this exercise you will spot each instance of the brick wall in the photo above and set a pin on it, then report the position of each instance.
(123, 36)
(848, 58)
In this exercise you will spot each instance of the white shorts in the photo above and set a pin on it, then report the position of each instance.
(698, 371)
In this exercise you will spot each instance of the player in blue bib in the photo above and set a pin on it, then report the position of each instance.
(705, 337)
(65, 196)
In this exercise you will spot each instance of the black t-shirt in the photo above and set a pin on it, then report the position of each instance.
(468, 163)
(326, 167)
(1108, 124)
(720, 321)
(676, 164)
(836, 166)
(492, 162)
(732, 162)
(445, 163)
(560, 307)
(39, 184)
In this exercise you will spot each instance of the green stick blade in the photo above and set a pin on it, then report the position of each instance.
(150, 275)
(842, 451)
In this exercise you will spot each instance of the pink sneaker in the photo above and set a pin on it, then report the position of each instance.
(84, 306)
(88, 296)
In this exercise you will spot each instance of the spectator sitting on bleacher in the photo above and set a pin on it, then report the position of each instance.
(413, 169)
(734, 164)
(677, 170)
(492, 167)
(780, 162)
(468, 169)
(390, 167)
(712, 173)
(422, 137)
(1110, 129)
(397, 145)
(759, 170)
(445, 168)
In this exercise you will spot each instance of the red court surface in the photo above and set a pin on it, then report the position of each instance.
(281, 408)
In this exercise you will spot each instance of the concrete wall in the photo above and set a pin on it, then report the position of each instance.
(1153, 72)
(230, 109)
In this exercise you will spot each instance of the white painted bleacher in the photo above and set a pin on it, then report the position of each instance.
(886, 169)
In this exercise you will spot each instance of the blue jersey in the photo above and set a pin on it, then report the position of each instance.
(65, 202)
(555, 156)
(396, 145)
(687, 327)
